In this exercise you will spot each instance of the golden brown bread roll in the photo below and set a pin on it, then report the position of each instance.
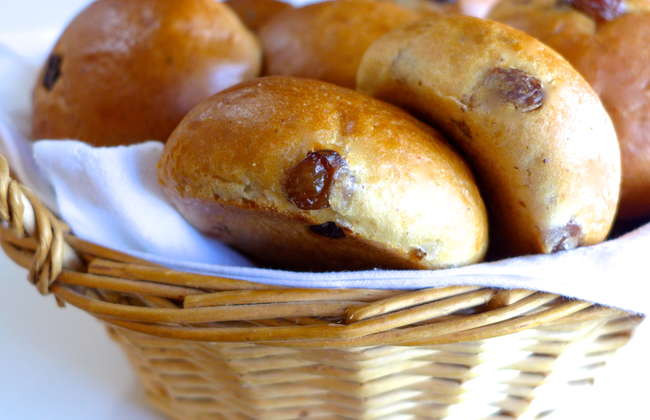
(302, 174)
(255, 13)
(541, 141)
(325, 41)
(126, 71)
(610, 47)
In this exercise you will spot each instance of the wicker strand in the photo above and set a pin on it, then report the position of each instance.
(26, 216)
(201, 315)
(164, 275)
(404, 300)
(126, 286)
(92, 252)
(286, 295)
(360, 334)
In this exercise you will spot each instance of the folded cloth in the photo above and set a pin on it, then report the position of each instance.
(111, 196)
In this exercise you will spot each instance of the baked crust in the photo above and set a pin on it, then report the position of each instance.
(126, 71)
(403, 198)
(544, 148)
(255, 13)
(326, 41)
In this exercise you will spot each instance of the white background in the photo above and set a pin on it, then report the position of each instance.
(59, 364)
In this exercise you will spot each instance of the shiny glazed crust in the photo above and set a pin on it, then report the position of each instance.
(126, 71)
(550, 170)
(255, 13)
(614, 56)
(326, 41)
(403, 200)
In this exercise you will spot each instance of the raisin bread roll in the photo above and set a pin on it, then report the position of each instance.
(302, 174)
(326, 40)
(544, 148)
(126, 71)
(607, 41)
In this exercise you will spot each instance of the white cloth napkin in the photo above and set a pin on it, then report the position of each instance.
(110, 196)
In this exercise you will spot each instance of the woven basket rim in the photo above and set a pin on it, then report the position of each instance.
(132, 293)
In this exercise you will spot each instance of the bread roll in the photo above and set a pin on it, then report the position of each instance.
(326, 40)
(255, 13)
(543, 145)
(610, 47)
(302, 174)
(617, 64)
(126, 71)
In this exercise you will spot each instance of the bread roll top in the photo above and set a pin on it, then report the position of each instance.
(326, 41)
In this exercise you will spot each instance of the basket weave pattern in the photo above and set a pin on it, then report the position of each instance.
(211, 347)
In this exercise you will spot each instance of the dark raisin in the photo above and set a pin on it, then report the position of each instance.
(599, 9)
(329, 230)
(308, 183)
(519, 88)
(567, 237)
(52, 71)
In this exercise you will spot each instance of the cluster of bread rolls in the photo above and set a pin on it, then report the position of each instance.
(463, 135)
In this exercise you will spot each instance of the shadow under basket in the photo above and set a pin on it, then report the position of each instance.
(208, 347)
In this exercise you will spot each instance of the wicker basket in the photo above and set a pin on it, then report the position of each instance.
(210, 347)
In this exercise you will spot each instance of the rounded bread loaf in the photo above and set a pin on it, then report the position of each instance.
(125, 71)
(543, 146)
(302, 174)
